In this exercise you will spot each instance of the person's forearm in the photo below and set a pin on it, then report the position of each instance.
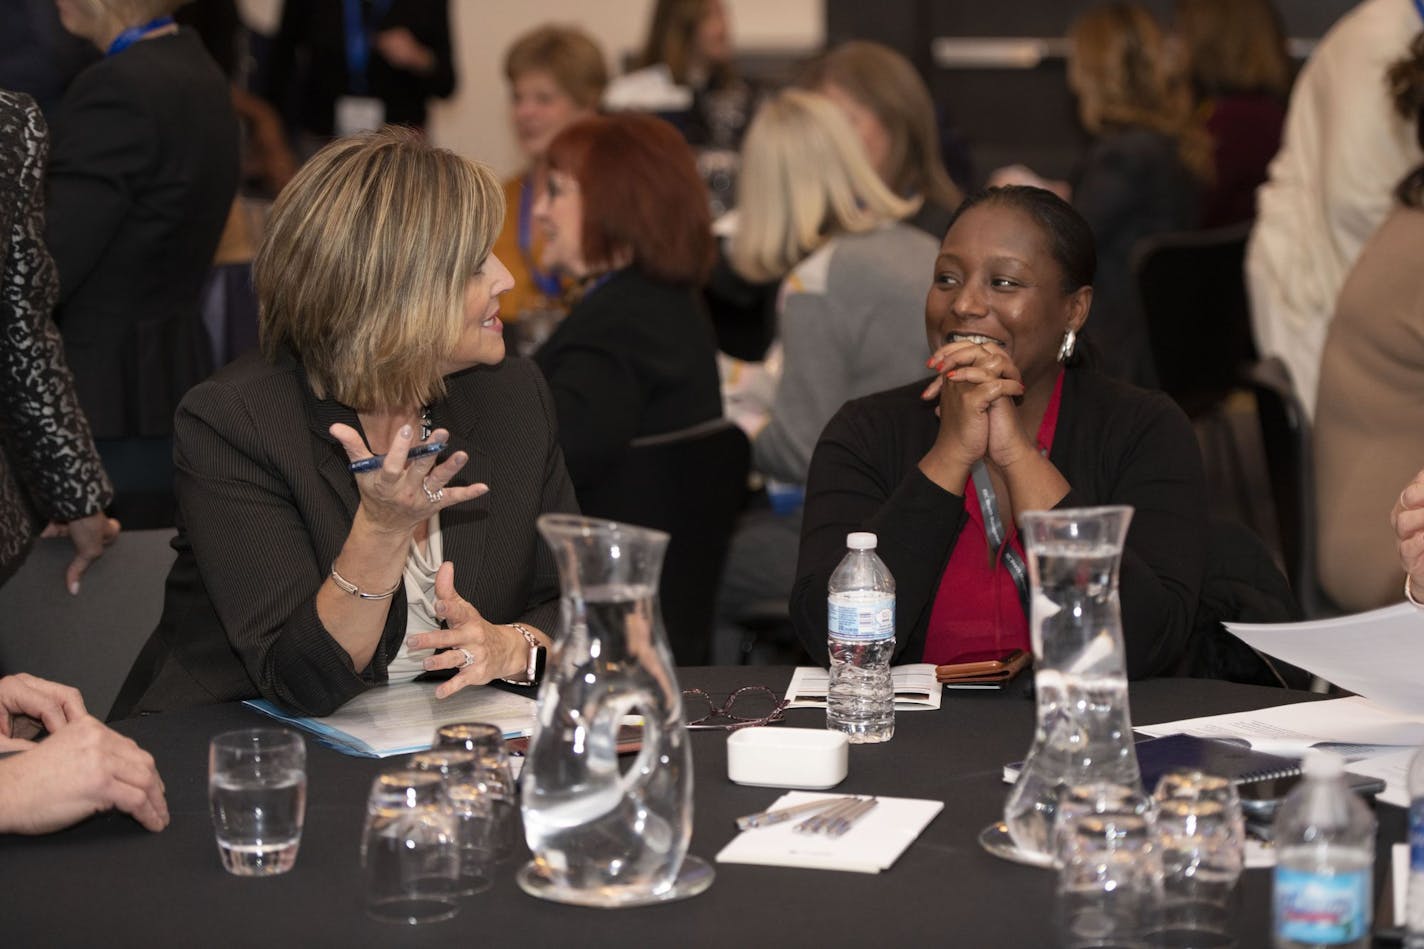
(1035, 484)
(374, 560)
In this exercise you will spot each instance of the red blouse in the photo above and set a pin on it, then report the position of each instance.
(977, 613)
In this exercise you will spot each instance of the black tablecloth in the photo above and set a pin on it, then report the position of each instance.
(110, 883)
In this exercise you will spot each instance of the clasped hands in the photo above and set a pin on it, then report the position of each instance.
(976, 386)
(1407, 519)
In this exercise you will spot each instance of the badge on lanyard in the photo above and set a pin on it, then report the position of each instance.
(359, 112)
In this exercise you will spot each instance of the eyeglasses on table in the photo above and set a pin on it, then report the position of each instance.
(747, 707)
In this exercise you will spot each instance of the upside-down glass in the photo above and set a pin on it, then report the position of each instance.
(1201, 836)
(257, 794)
(473, 810)
(1109, 869)
(753, 705)
(410, 851)
(493, 778)
(1083, 732)
(604, 832)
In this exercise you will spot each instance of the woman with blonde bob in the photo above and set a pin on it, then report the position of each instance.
(320, 552)
(813, 214)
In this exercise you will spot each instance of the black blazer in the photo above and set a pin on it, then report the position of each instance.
(266, 502)
(634, 357)
(141, 179)
(1115, 444)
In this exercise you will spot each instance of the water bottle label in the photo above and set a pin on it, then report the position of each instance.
(1416, 835)
(1322, 909)
(865, 620)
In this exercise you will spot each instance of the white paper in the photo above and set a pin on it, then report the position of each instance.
(400, 719)
(1393, 769)
(1353, 726)
(872, 844)
(1376, 654)
(916, 687)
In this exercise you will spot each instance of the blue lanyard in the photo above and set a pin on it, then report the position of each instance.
(546, 280)
(1419, 5)
(135, 33)
(358, 40)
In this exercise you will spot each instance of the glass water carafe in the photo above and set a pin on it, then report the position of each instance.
(1083, 733)
(605, 831)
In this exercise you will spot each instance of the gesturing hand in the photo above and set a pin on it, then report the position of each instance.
(479, 649)
(28, 702)
(89, 535)
(1407, 519)
(401, 494)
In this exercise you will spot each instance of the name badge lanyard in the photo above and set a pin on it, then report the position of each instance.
(358, 40)
(546, 280)
(135, 33)
(994, 531)
(1419, 5)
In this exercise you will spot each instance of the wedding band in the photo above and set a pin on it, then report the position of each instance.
(433, 497)
(469, 657)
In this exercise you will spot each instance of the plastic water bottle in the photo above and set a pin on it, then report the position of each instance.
(1325, 855)
(860, 611)
(1414, 908)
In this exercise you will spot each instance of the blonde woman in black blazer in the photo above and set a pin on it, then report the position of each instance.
(300, 580)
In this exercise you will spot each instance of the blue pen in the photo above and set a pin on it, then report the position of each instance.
(375, 461)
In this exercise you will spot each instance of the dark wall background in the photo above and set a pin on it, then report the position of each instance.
(1012, 115)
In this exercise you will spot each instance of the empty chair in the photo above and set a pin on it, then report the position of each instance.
(90, 640)
(1193, 298)
(690, 483)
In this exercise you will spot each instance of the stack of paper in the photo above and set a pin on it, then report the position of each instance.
(872, 844)
(401, 719)
(916, 687)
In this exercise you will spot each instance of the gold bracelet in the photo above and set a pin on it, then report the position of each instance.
(346, 586)
(1409, 591)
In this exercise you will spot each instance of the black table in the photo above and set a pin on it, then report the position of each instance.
(110, 883)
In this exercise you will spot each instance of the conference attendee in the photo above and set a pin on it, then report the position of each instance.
(338, 67)
(141, 177)
(1015, 410)
(625, 217)
(1240, 75)
(1142, 172)
(49, 469)
(1369, 413)
(320, 551)
(556, 76)
(1343, 150)
(1407, 519)
(813, 214)
(80, 769)
(889, 106)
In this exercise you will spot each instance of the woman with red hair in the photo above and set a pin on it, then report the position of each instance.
(625, 216)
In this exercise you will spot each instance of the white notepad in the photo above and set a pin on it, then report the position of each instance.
(873, 844)
(916, 687)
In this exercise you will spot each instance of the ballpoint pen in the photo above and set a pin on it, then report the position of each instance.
(783, 814)
(843, 823)
(817, 823)
(375, 461)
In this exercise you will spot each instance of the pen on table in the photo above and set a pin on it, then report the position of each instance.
(375, 461)
(818, 822)
(843, 823)
(782, 814)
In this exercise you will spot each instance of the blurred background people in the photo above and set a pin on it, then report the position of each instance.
(1370, 412)
(889, 106)
(692, 40)
(813, 213)
(1343, 150)
(624, 215)
(343, 66)
(141, 178)
(556, 76)
(1235, 52)
(49, 469)
(38, 56)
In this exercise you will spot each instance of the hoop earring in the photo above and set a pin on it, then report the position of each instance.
(1070, 341)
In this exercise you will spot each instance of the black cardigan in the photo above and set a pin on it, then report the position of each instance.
(1115, 444)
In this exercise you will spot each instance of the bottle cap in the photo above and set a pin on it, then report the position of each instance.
(1319, 763)
(861, 540)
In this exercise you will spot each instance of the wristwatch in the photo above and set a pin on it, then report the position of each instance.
(534, 665)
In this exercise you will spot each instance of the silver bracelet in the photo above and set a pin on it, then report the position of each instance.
(347, 586)
(1409, 591)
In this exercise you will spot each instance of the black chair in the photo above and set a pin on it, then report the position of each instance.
(690, 483)
(1193, 295)
(1290, 467)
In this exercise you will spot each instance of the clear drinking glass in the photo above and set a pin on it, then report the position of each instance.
(474, 814)
(410, 851)
(1109, 868)
(1202, 838)
(257, 794)
(1083, 732)
(492, 777)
